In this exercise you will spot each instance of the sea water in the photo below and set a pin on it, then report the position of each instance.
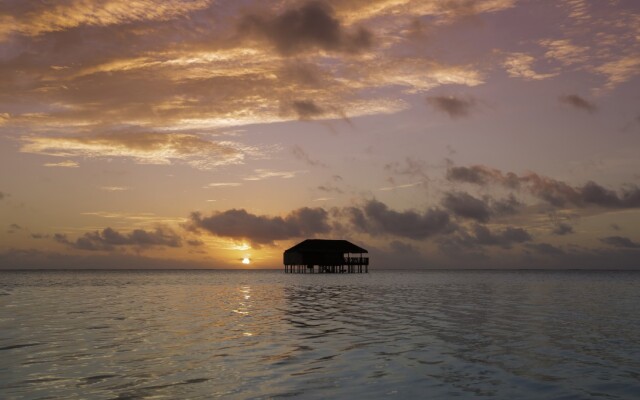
(266, 334)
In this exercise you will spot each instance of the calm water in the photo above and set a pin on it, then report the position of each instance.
(188, 334)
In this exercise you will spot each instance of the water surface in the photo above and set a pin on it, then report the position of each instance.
(265, 334)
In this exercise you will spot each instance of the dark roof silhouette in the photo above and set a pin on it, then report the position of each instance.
(326, 246)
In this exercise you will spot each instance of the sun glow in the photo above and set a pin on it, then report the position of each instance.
(246, 260)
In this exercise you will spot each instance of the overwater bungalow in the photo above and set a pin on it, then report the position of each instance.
(326, 256)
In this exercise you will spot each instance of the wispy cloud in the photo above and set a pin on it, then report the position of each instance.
(260, 174)
(620, 241)
(404, 186)
(564, 51)
(63, 164)
(109, 239)
(144, 148)
(222, 184)
(520, 65)
(578, 102)
(619, 71)
(37, 19)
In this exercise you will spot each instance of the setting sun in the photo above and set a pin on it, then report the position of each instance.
(246, 260)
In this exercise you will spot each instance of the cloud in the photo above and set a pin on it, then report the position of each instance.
(262, 229)
(455, 107)
(143, 147)
(620, 241)
(300, 154)
(480, 235)
(404, 186)
(481, 175)
(519, 65)
(3, 195)
(578, 102)
(562, 229)
(564, 51)
(504, 238)
(38, 18)
(464, 205)
(376, 218)
(330, 189)
(260, 174)
(114, 188)
(109, 239)
(307, 27)
(620, 70)
(508, 205)
(554, 192)
(307, 109)
(545, 248)
(222, 184)
(63, 164)
(411, 167)
(13, 228)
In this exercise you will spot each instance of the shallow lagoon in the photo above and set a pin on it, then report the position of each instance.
(266, 334)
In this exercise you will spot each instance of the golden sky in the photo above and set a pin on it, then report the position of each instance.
(437, 134)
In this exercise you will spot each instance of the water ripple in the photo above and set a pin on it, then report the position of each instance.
(210, 334)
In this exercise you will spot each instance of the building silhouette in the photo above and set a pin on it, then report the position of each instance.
(329, 256)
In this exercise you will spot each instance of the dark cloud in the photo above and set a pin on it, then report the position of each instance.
(561, 194)
(399, 255)
(329, 188)
(456, 107)
(615, 227)
(578, 102)
(562, 228)
(108, 239)
(592, 193)
(620, 241)
(376, 218)
(504, 238)
(480, 235)
(304, 74)
(410, 167)
(195, 243)
(3, 195)
(13, 228)
(509, 205)
(307, 109)
(262, 229)
(302, 155)
(464, 205)
(545, 248)
(553, 191)
(481, 175)
(310, 26)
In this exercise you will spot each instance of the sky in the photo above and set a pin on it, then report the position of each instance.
(436, 134)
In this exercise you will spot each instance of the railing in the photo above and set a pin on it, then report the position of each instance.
(356, 261)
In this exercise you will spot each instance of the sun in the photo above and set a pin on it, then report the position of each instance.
(246, 260)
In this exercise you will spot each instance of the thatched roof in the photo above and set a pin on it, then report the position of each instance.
(326, 246)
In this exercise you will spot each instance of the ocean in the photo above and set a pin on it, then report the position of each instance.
(266, 334)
